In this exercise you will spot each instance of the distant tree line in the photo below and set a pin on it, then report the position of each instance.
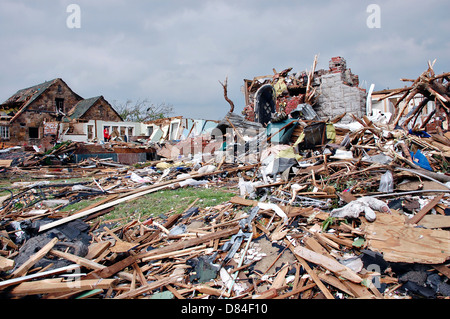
(142, 110)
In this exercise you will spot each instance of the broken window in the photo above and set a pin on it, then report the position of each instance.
(174, 130)
(149, 130)
(4, 132)
(90, 130)
(122, 131)
(59, 105)
(33, 132)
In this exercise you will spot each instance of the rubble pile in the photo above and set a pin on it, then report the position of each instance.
(323, 210)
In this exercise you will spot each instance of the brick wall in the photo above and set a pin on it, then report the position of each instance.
(101, 110)
(336, 97)
(40, 110)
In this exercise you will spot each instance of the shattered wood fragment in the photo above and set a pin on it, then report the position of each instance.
(292, 231)
(399, 241)
(23, 269)
(416, 218)
(6, 264)
(327, 263)
(47, 286)
(11, 282)
(313, 274)
(147, 288)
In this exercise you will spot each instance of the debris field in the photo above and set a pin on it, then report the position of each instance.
(322, 210)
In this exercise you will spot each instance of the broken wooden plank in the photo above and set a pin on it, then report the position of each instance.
(402, 242)
(333, 281)
(279, 280)
(87, 263)
(113, 269)
(327, 263)
(295, 291)
(311, 272)
(16, 281)
(205, 289)
(6, 264)
(23, 269)
(96, 249)
(47, 286)
(147, 288)
(435, 221)
(417, 217)
(443, 269)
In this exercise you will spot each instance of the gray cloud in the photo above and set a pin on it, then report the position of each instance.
(177, 51)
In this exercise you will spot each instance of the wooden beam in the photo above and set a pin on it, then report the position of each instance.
(6, 264)
(296, 291)
(328, 263)
(311, 272)
(88, 263)
(417, 217)
(23, 269)
(58, 286)
(113, 269)
(16, 281)
(147, 288)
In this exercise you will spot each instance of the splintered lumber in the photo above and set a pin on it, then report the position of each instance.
(87, 263)
(311, 272)
(416, 218)
(96, 249)
(205, 289)
(331, 280)
(327, 263)
(6, 264)
(46, 286)
(402, 242)
(100, 207)
(296, 291)
(16, 281)
(23, 269)
(135, 194)
(147, 288)
(435, 221)
(113, 269)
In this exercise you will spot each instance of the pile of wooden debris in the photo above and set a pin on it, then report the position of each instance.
(337, 212)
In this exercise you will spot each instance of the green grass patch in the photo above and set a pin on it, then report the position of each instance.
(169, 202)
(75, 207)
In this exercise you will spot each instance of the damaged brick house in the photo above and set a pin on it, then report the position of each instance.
(36, 115)
(330, 92)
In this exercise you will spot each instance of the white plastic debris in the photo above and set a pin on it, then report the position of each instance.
(192, 182)
(276, 209)
(206, 169)
(366, 205)
(138, 179)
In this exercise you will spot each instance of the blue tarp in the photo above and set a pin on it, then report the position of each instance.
(421, 160)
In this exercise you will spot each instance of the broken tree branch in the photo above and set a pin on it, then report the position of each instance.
(225, 94)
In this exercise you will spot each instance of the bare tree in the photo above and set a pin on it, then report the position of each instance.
(142, 110)
(225, 94)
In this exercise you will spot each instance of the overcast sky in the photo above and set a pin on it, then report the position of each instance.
(177, 51)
